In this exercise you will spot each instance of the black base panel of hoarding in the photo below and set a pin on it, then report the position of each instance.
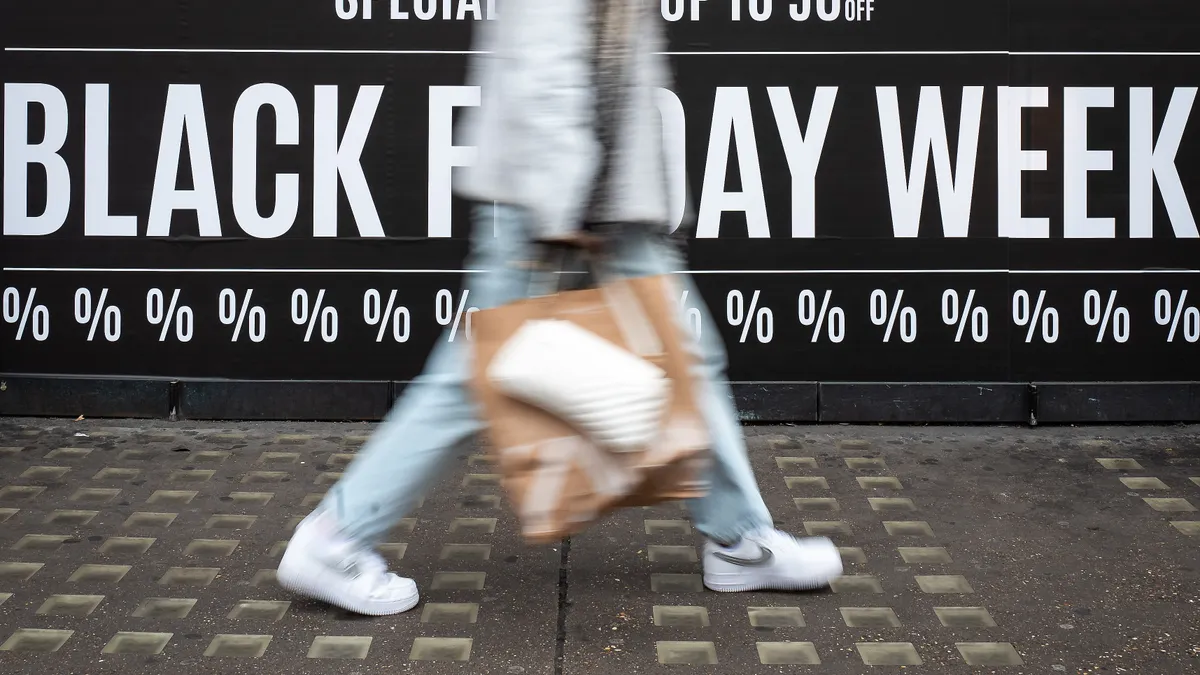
(43, 396)
(283, 400)
(933, 403)
(1118, 402)
(757, 402)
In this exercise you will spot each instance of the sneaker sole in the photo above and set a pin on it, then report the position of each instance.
(317, 585)
(741, 584)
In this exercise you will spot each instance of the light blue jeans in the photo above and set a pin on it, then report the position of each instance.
(409, 450)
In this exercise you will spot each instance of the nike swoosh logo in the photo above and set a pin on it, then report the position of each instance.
(764, 558)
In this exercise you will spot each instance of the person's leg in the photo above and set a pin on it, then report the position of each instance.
(329, 556)
(744, 551)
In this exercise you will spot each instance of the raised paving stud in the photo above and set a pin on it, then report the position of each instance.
(95, 495)
(827, 528)
(45, 472)
(260, 610)
(680, 616)
(143, 519)
(775, 617)
(866, 464)
(948, 583)
(70, 605)
(137, 643)
(68, 453)
(924, 555)
(211, 456)
(856, 583)
(191, 475)
(888, 654)
(481, 480)
(1189, 527)
(671, 554)
(70, 518)
(480, 501)
(441, 649)
(112, 473)
(407, 525)
(20, 493)
(459, 581)
(263, 578)
(908, 528)
(450, 612)
(312, 499)
(277, 549)
(17, 571)
(668, 527)
(279, 458)
(251, 498)
(36, 640)
(964, 617)
(165, 608)
(5, 514)
(11, 451)
(472, 526)
(265, 477)
(137, 455)
(328, 478)
(340, 647)
(293, 439)
(466, 552)
(211, 548)
(340, 460)
(238, 646)
(4, 597)
(676, 583)
(887, 504)
(788, 653)
(393, 550)
(40, 542)
(100, 574)
(1196, 481)
(879, 483)
(228, 521)
(126, 545)
(1169, 505)
(806, 483)
(852, 555)
(189, 576)
(1144, 483)
(172, 497)
(1119, 463)
(817, 504)
(989, 654)
(686, 653)
(789, 463)
(870, 617)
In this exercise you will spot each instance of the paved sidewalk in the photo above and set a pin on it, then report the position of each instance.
(150, 545)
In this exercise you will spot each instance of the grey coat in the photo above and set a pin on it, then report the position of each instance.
(568, 128)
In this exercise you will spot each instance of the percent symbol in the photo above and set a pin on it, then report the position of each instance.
(447, 314)
(1093, 315)
(26, 312)
(1025, 315)
(955, 314)
(738, 315)
(880, 315)
(87, 313)
(810, 315)
(376, 315)
(304, 314)
(1166, 311)
(238, 314)
(161, 313)
(693, 315)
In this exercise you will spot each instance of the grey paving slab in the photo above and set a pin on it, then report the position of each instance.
(153, 545)
(155, 548)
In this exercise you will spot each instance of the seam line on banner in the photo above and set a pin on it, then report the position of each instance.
(467, 52)
(231, 270)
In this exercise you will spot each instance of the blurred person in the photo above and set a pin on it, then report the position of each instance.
(568, 137)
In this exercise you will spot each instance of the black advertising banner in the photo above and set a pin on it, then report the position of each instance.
(886, 190)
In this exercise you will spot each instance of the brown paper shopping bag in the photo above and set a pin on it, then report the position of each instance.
(558, 480)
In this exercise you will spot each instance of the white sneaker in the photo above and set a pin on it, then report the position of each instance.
(323, 564)
(770, 559)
